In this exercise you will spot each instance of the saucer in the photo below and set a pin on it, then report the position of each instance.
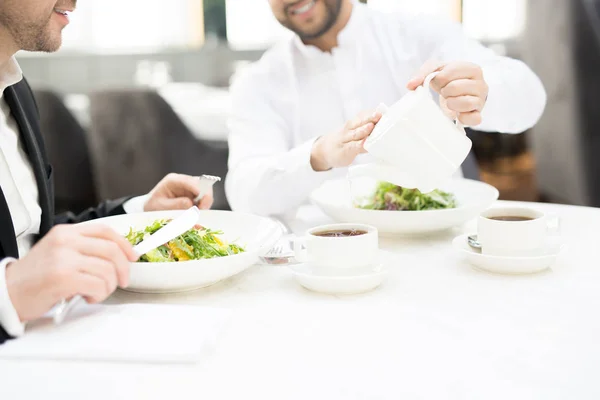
(508, 265)
(340, 281)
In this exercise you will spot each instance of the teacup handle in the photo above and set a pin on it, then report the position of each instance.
(427, 87)
(300, 252)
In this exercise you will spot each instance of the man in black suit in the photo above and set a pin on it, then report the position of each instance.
(42, 262)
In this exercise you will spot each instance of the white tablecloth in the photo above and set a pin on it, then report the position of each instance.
(436, 329)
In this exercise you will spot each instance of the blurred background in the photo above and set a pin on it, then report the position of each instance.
(140, 89)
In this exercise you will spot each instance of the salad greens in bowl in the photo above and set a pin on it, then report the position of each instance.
(400, 211)
(196, 244)
(390, 197)
(221, 245)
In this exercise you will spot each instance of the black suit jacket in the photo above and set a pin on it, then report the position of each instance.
(24, 109)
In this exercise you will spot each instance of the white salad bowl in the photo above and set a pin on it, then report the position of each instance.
(255, 234)
(337, 199)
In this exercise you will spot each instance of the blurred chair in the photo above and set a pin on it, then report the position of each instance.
(136, 139)
(68, 152)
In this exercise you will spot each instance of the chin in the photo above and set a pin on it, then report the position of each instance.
(313, 29)
(51, 48)
(51, 44)
(309, 34)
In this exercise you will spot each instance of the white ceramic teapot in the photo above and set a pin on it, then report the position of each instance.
(415, 144)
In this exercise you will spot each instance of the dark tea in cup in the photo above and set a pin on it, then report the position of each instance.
(514, 218)
(340, 233)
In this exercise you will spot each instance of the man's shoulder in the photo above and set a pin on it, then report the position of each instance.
(270, 69)
(404, 21)
(391, 17)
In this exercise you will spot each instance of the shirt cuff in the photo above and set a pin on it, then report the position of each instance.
(135, 205)
(305, 178)
(298, 161)
(9, 319)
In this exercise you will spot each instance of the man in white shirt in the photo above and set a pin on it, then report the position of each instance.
(289, 129)
(69, 260)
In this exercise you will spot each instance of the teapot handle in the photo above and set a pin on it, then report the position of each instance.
(428, 79)
(426, 86)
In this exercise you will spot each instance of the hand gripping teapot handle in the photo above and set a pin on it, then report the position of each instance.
(427, 85)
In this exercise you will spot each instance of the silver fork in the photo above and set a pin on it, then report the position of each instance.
(276, 251)
(279, 254)
(206, 182)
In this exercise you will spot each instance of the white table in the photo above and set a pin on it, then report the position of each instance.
(437, 329)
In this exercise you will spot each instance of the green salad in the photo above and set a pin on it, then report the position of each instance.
(390, 197)
(196, 244)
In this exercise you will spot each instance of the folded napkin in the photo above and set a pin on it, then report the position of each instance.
(151, 333)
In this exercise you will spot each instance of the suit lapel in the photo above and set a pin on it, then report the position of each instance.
(29, 130)
(8, 242)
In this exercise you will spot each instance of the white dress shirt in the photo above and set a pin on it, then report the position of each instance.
(297, 93)
(19, 186)
(20, 190)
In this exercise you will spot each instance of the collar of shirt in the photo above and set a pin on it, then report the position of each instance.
(347, 38)
(10, 74)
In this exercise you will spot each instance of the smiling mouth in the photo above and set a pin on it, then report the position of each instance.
(62, 12)
(307, 7)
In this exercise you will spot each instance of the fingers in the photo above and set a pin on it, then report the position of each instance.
(181, 185)
(100, 231)
(359, 134)
(92, 288)
(179, 203)
(364, 119)
(454, 72)
(177, 192)
(362, 148)
(358, 130)
(427, 69)
(206, 202)
(447, 73)
(470, 119)
(101, 269)
(465, 104)
(467, 117)
(352, 149)
(104, 253)
(464, 87)
(447, 111)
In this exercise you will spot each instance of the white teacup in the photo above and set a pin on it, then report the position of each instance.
(343, 252)
(416, 145)
(516, 232)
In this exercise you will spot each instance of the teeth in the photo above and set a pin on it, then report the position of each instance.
(61, 12)
(304, 9)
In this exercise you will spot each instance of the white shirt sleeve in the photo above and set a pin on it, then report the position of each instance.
(516, 99)
(267, 174)
(9, 319)
(135, 205)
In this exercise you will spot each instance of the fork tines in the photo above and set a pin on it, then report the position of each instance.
(211, 178)
(206, 181)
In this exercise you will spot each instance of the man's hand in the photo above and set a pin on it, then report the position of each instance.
(462, 88)
(177, 192)
(339, 149)
(89, 260)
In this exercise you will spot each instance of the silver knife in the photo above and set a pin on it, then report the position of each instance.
(183, 223)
